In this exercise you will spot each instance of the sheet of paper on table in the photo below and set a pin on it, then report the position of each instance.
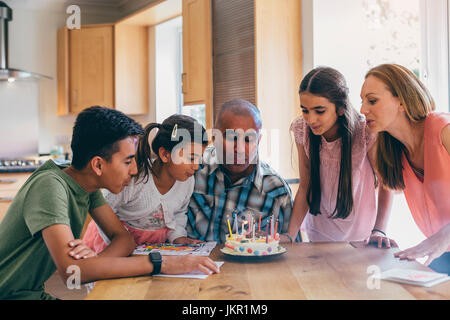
(414, 277)
(168, 249)
(190, 275)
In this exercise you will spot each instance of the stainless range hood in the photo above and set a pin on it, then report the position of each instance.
(6, 73)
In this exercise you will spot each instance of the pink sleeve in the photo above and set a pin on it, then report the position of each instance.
(298, 128)
(301, 133)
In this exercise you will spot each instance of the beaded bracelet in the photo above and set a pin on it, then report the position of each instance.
(289, 237)
(377, 230)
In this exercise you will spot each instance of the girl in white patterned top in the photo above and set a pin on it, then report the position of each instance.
(153, 206)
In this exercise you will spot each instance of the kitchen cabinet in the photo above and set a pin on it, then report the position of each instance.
(10, 183)
(104, 65)
(197, 55)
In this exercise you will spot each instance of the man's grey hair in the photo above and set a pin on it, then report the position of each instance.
(239, 107)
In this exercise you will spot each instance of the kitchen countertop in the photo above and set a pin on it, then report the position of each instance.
(17, 169)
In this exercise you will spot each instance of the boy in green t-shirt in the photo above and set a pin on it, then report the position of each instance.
(40, 230)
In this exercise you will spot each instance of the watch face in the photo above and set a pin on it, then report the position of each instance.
(155, 256)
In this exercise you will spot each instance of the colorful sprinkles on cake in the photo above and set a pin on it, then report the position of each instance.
(252, 243)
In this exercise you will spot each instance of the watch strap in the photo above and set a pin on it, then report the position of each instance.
(156, 259)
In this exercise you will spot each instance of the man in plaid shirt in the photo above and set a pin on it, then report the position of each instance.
(233, 182)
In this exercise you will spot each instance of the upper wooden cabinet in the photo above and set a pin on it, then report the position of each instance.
(104, 65)
(91, 67)
(197, 55)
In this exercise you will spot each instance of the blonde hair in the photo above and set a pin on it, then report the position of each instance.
(417, 102)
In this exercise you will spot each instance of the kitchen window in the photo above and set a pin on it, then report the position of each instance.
(169, 66)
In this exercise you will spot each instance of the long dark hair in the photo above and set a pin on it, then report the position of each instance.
(174, 132)
(329, 83)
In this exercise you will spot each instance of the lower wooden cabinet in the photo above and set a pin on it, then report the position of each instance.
(10, 183)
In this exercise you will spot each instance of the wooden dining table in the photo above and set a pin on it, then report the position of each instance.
(332, 271)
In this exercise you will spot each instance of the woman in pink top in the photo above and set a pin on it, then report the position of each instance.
(337, 182)
(413, 154)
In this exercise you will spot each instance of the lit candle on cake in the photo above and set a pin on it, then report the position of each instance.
(259, 224)
(271, 227)
(229, 228)
(276, 228)
(243, 227)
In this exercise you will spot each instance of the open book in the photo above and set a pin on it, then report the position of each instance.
(414, 277)
(167, 249)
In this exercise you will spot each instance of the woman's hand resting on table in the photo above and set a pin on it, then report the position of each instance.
(433, 247)
(381, 240)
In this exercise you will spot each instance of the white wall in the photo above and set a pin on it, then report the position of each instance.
(307, 36)
(168, 73)
(333, 21)
(353, 36)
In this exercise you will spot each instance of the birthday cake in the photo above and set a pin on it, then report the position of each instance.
(260, 245)
(253, 241)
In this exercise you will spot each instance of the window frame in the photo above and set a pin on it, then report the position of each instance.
(435, 40)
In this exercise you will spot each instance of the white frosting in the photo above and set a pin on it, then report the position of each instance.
(257, 246)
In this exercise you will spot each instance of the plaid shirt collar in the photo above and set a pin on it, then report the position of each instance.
(256, 177)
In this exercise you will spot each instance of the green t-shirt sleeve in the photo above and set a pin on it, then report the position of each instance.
(96, 199)
(46, 204)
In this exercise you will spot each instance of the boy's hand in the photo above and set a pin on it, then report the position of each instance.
(188, 263)
(186, 240)
(79, 250)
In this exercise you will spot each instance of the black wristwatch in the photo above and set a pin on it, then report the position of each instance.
(156, 259)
